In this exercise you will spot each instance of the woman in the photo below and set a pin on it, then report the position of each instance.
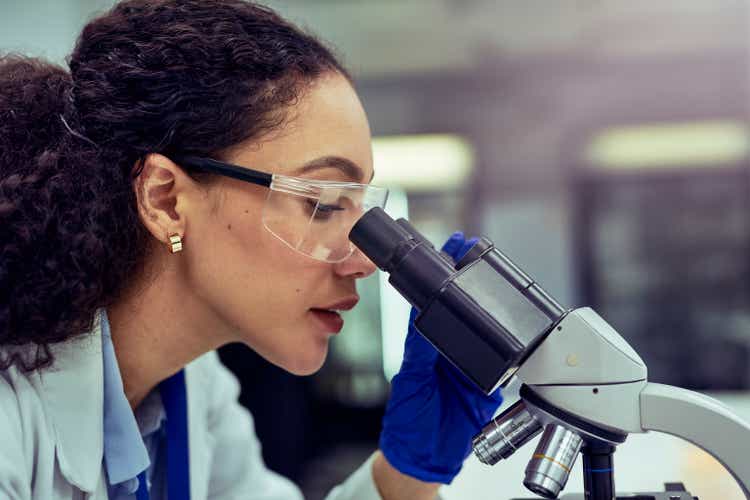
(190, 183)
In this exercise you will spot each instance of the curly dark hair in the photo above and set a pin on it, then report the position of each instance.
(148, 76)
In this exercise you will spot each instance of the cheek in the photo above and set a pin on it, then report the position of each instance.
(274, 279)
(262, 290)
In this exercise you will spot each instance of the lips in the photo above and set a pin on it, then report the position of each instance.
(328, 317)
(330, 321)
(341, 305)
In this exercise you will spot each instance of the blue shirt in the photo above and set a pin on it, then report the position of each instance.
(132, 440)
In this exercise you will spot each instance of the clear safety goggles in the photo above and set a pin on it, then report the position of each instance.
(313, 217)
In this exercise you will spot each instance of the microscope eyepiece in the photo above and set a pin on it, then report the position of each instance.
(378, 238)
(417, 271)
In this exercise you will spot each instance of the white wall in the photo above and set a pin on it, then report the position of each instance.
(44, 28)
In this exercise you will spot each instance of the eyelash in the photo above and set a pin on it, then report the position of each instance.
(323, 211)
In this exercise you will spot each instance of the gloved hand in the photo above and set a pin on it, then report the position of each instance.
(434, 410)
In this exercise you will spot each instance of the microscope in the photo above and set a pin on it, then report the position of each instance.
(583, 387)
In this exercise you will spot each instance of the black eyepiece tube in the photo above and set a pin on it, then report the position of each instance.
(417, 271)
(379, 238)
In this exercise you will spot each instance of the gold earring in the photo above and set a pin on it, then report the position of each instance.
(176, 243)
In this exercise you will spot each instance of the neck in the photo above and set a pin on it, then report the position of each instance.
(157, 331)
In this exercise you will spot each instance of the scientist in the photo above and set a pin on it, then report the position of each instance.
(189, 183)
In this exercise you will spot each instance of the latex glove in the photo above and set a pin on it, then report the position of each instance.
(434, 410)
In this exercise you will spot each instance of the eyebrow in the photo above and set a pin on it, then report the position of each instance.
(348, 167)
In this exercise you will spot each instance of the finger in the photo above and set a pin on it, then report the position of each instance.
(419, 354)
(453, 244)
(497, 395)
(465, 248)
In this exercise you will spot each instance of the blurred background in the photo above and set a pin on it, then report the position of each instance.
(603, 145)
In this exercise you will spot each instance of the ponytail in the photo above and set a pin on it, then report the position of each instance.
(51, 243)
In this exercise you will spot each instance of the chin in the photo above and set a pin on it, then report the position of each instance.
(307, 362)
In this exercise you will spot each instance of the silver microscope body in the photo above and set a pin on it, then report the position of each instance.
(584, 388)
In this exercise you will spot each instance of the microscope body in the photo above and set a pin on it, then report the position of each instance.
(584, 388)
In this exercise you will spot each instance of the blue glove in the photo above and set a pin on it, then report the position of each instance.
(434, 410)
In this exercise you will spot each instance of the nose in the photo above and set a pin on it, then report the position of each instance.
(356, 266)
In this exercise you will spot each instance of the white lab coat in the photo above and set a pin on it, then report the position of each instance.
(51, 434)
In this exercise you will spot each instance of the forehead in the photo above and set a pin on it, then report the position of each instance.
(325, 136)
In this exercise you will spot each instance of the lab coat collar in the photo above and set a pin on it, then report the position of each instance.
(73, 397)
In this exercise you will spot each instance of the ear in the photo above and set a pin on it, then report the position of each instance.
(165, 194)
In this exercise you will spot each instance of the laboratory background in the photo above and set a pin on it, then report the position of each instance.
(602, 145)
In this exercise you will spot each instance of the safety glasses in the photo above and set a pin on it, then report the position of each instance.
(311, 216)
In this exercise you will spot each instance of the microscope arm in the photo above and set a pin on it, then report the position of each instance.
(702, 421)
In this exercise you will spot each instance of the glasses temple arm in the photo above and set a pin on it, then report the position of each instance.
(225, 169)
